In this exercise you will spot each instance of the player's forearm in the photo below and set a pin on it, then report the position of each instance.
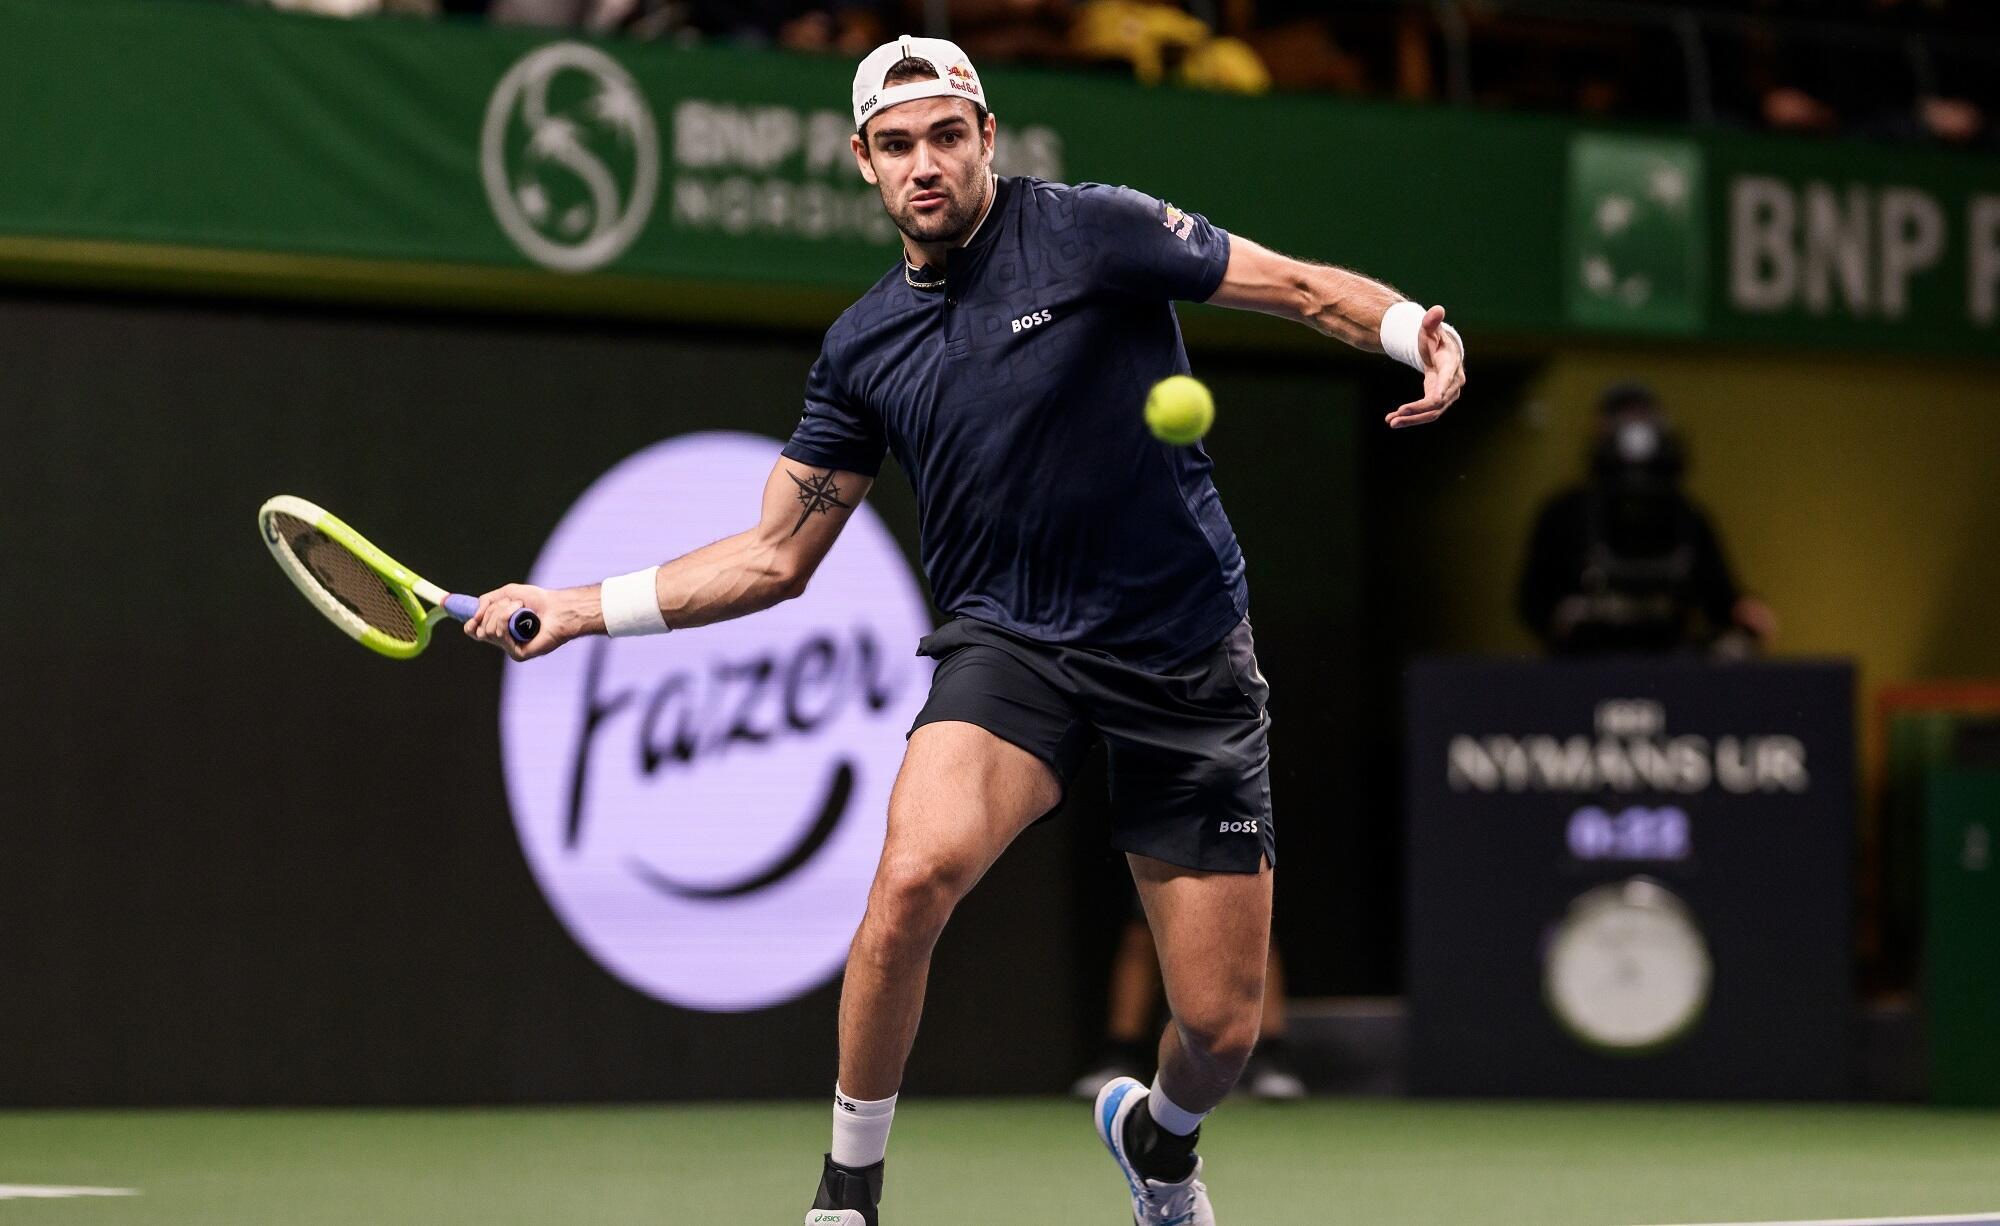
(733, 577)
(1335, 301)
(1344, 305)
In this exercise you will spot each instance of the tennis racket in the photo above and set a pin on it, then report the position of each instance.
(376, 600)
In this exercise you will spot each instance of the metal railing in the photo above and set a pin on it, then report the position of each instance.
(1693, 30)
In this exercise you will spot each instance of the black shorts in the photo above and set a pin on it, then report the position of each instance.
(1188, 749)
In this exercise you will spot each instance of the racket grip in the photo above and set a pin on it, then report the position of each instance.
(522, 627)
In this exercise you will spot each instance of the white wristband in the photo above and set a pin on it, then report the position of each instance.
(632, 604)
(1402, 324)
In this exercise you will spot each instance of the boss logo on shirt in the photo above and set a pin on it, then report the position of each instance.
(1249, 827)
(1028, 321)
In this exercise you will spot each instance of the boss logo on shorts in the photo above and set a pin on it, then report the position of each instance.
(1032, 319)
(704, 810)
(1249, 827)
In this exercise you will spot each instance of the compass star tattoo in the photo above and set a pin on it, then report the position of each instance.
(816, 497)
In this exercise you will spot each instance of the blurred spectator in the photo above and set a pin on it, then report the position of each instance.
(1913, 70)
(1630, 68)
(1298, 42)
(1157, 38)
(1820, 80)
(1626, 562)
(1898, 69)
(358, 8)
(848, 27)
(1146, 36)
(1226, 64)
(1954, 121)
(595, 15)
(852, 27)
(997, 31)
(1950, 82)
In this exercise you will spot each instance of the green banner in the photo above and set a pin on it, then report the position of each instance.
(1637, 253)
(208, 145)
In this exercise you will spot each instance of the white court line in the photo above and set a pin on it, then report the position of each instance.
(23, 1191)
(1949, 1221)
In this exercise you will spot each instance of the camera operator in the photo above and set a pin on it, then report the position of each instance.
(1627, 562)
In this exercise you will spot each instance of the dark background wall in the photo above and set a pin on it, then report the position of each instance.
(241, 860)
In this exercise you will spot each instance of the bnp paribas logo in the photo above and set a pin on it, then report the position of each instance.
(1636, 256)
(570, 154)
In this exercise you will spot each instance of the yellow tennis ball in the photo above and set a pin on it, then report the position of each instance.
(1179, 410)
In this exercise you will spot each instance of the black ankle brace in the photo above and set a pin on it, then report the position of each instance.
(846, 1187)
(1156, 1153)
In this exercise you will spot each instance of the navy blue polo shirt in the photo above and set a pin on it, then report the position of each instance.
(1013, 399)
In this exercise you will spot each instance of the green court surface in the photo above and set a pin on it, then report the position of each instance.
(958, 1162)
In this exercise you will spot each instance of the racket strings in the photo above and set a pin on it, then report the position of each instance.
(346, 578)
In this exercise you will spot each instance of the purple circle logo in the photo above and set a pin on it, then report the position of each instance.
(704, 809)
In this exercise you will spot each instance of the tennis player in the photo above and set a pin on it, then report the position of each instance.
(1094, 586)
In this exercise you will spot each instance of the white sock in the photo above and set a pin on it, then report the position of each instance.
(1167, 1115)
(861, 1129)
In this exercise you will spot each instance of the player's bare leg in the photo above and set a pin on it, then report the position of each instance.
(961, 797)
(1213, 931)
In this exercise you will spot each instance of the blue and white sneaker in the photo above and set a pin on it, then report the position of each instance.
(1153, 1203)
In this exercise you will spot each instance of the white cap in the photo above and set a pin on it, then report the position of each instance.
(956, 77)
